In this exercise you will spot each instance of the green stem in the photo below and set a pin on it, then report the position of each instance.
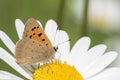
(85, 17)
(61, 13)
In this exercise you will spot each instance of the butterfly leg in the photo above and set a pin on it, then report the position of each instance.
(60, 55)
(48, 63)
(53, 59)
(57, 59)
(42, 68)
(38, 65)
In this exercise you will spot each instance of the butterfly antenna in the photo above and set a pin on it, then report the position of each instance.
(55, 35)
(63, 42)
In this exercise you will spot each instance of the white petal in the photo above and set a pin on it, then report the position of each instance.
(78, 50)
(30, 68)
(11, 76)
(89, 57)
(63, 44)
(50, 30)
(99, 64)
(81, 46)
(4, 77)
(109, 74)
(19, 27)
(7, 41)
(40, 24)
(5, 56)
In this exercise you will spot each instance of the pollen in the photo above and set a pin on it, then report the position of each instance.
(56, 71)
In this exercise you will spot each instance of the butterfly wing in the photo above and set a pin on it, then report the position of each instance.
(30, 51)
(35, 46)
(34, 31)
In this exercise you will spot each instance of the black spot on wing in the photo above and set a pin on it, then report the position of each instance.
(30, 36)
(37, 27)
(40, 34)
(33, 28)
(46, 44)
(33, 33)
(43, 39)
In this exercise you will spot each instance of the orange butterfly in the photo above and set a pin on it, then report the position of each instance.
(34, 47)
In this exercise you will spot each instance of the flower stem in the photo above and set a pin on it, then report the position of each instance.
(85, 17)
(60, 13)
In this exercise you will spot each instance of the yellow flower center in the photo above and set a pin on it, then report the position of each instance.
(56, 71)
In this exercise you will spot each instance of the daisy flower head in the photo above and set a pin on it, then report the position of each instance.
(51, 30)
(81, 63)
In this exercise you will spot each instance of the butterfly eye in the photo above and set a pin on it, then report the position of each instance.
(55, 48)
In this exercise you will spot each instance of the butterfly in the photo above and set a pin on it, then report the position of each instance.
(34, 47)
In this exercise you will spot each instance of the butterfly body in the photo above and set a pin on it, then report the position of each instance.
(34, 47)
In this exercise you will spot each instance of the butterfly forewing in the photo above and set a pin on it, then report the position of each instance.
(35, 32)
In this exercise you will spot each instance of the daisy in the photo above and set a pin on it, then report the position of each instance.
(81, 63)
(51, 29)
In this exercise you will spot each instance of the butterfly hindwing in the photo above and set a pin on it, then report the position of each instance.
(30, 51)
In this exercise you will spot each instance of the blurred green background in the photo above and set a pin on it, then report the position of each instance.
(98, 19)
